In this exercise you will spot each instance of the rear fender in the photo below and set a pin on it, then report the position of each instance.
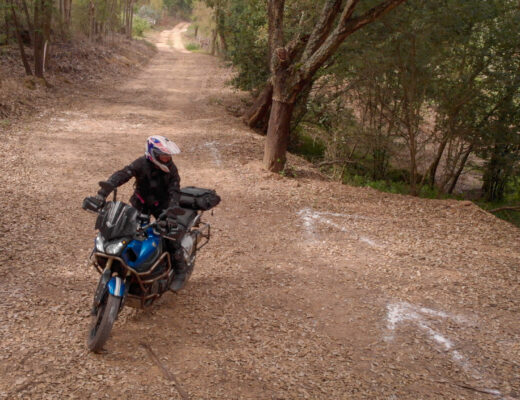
(116, 287)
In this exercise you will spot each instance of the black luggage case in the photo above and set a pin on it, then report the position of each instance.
(198, 198)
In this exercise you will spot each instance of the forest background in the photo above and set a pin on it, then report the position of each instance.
(423, 100)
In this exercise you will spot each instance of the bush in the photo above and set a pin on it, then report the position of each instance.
(308, 147)
(192, 46)
(140, 25)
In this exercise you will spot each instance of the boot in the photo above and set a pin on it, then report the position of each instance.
(180, 272)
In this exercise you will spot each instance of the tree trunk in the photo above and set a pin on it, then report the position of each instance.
(413, 167)
(46, 27)
(38, 38)
(28, 19)
(432, 171)
(460, 169)
(223, 43)
(129, 12)
(26, 65)
(131, 22)
(258, 114)
(496, 174)
(68, 11)
(323, 43)
(278, 136)
(213, 42)
(6, 22)
(92, 19)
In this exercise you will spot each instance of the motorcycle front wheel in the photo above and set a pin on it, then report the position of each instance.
(102, 323)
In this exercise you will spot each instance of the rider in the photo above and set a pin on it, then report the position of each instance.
(157, 189)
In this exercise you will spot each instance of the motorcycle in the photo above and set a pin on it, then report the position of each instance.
(131, 254)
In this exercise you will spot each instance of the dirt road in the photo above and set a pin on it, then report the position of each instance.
(308, 289)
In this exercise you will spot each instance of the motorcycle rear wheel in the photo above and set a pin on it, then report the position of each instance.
(102, 322)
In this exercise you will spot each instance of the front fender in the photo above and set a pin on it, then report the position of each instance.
(101, 289)
(116, 287)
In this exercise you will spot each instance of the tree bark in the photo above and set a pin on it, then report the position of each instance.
(346, 26)
(223, 43)
(131, 24)
(68, 11)
(26, 65)
(258, 114)
(322, 29)
(496, 173)
(413, 165)
(46, 27)
(92, 19)
(213, 42)
(38, 38)
(28, 19)
(460, 169)
(432, 171)
(275, 12)
(509, 208)
(278, 136)
(7, 27)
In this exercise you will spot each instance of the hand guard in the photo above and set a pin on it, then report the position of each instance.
(94, 203)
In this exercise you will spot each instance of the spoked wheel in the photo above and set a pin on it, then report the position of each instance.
(102, 323)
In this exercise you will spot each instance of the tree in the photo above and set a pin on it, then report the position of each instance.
(26, 65)
(42, 26)
(294, 63)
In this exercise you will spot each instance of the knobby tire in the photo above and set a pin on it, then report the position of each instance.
(102, 323)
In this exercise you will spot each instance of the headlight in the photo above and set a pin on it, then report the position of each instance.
(115, 248)
(99, 242)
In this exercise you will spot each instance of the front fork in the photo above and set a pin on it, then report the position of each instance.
(113, 285)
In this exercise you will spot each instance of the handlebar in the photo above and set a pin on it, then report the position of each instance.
(92, 204)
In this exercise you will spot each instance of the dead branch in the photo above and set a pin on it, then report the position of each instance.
(510, 208)
(324, 163)
(166, 373)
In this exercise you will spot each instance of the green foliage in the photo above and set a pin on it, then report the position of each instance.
(150, 13)
(246, 30)
(139, 26)
(426, 74)
(311, 148)
(431, 78)
(179, 8)
(511, 198)
(192, 46)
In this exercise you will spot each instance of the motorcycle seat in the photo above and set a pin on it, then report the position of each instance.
(186, 218)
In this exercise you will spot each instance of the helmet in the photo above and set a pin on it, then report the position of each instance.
(157, 146)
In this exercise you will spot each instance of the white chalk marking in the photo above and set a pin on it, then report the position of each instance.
(216, 154)
(310, 218)
(401, 312)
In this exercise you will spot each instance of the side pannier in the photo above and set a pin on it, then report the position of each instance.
(198, 198)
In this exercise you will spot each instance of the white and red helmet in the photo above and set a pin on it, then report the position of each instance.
(157, 146)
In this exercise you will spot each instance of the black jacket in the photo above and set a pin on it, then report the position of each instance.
(154, 188)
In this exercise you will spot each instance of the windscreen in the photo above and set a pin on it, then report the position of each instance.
(116, 220)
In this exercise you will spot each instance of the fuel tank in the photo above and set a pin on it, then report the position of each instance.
(141, 254)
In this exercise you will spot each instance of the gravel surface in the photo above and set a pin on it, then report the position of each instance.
(308, 288)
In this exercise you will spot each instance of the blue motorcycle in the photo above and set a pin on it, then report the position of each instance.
(131, 254)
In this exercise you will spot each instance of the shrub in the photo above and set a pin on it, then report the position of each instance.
(192, 46)
(140, 25)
